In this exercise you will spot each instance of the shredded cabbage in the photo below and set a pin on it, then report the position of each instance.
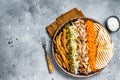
(73, 49)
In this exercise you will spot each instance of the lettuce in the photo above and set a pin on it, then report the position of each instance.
(72, 48)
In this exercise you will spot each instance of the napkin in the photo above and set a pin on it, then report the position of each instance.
(73, 13)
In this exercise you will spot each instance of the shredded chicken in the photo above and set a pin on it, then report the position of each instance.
(82, 49)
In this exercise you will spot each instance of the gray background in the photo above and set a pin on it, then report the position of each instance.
(22, 24)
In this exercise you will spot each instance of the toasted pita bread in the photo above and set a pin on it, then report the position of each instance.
(105, 47)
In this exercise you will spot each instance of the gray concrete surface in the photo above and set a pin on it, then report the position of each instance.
(22, 24)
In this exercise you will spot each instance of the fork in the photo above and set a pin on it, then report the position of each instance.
(50, 67)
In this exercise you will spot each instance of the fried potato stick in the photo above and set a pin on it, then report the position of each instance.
(58, 59)
(64, 40)
(61, 49)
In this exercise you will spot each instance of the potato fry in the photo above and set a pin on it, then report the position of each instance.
(64, 40)
(64, 65)
(58, 60)
(57, 44)
(67, 64)
(56, 50)
(61, 51)
(61, 46)
(59, 57)
(63, 56)
(59, 39)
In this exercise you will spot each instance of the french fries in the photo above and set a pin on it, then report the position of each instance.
(60, 54)
(64, 65)
(64, 41)
(58, 58)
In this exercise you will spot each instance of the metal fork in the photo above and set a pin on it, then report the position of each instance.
(50, 67)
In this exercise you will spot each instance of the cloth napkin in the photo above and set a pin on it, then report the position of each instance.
(73, 13)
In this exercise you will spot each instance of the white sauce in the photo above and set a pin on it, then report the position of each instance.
(113, 23)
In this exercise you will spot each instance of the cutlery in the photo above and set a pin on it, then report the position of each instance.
(50, 67)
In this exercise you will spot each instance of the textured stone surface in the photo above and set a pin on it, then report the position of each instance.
(22, 24)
